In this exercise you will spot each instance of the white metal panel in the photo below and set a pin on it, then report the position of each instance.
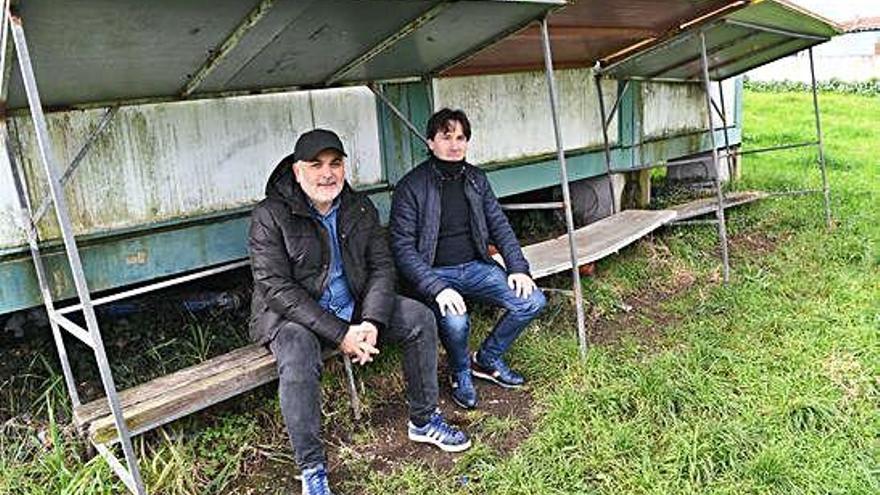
(675, 108)
(351, 112)
(11, 233)
(166, 161)
(510, 114)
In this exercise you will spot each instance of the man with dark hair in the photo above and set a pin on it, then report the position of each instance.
(444, 215)
(324, 278)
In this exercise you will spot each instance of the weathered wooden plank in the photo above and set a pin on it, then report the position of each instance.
(707, 205)
(595, 241)
(173, 396)
(161, 385)
(182, 401)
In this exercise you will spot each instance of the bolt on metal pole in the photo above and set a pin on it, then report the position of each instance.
(719, 212)
(826, 192)
(607, 145)
(566, 193)
(76, 268)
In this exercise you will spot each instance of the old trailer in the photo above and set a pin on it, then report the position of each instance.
(165, 187)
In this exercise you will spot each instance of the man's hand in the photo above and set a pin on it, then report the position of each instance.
(451, 302)
(355, 345)
(522, 284)
(370, 333)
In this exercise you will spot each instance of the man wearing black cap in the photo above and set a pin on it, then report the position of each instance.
(324, 278)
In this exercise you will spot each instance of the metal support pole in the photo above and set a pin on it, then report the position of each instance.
(76, 268)
(409, 125)
(719, 212)
(566, 194)
(40, 269)
(352, 387)
(727, 152)
(604, 119)
(617, 103)
(553, 205)
(826, 193)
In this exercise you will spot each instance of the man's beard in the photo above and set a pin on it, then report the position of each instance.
(320, 194)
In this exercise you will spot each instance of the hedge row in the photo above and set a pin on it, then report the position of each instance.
(870, 87)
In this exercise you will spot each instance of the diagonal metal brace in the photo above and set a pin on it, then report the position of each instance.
(77, 160)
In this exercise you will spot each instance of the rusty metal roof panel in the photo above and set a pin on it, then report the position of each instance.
(104, 51)
(736, 42)
(586, 31)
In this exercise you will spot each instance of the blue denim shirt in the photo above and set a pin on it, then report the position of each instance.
(337, 297)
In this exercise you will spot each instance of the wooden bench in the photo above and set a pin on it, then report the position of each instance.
(705, 206)
(184, 392)
(595, 241)
(613, 233)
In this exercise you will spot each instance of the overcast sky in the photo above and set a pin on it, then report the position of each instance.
(845, 10)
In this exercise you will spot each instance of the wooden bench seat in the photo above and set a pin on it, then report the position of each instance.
(611, 234)
(705, 206)
(178, 394)
(595, 241)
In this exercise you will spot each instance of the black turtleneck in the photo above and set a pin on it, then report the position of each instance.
(455, 244)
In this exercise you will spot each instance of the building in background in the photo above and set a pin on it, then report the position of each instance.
(853, 57)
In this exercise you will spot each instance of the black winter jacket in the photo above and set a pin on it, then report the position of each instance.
(290, 260)
(415, 226)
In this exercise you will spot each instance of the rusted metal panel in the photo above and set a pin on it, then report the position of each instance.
(169, 161)
(510, 113)
(586, 31)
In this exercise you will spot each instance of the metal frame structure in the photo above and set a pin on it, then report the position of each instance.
(90, 334)
(712, 108)
(128, 470)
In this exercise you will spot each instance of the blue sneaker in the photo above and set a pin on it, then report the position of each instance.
(314, 481)
(496, 372)
(440, 433)
(463, 392)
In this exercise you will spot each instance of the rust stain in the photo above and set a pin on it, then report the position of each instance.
(137, 258)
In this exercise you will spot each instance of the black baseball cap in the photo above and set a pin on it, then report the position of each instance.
(310, 144)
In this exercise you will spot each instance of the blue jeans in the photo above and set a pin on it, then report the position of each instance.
(484, 282)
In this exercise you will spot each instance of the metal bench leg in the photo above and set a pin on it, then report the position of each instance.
(352, 388)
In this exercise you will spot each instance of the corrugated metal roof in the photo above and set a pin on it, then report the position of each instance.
(737, 42)
(110, 50)
(586, 31)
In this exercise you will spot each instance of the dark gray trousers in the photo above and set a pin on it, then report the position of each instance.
(297, 351)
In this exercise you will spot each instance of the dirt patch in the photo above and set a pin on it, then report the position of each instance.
(757, 242)
(639, 318)
(378, 444)
(502, 420)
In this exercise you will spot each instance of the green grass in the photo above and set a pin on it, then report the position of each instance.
(768, 385)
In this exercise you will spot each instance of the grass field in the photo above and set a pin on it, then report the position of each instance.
(768, 385)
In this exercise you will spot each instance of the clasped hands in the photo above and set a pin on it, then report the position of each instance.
(359, 342)
(450, 301)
